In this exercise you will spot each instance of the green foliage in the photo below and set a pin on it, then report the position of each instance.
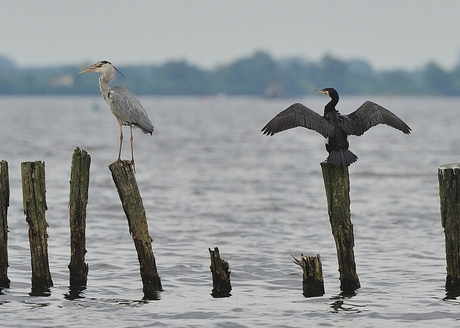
(258, 74)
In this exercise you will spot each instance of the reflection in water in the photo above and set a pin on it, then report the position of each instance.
(341, 306)
(75, 293)
(451, 296)
(40, 292)
(152, 295)
(220, 293)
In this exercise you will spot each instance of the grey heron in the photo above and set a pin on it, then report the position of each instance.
(334, 126)
(124, 105)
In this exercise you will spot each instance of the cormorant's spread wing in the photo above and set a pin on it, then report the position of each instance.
(298, 115)
(368, 115)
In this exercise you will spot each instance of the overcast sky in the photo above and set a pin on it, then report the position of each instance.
(388, 33)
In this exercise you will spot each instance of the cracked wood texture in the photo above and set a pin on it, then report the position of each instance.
(78, 200)
(449, 194)
(125, 182)
(4, 204)
(34, 202)
(337, 185)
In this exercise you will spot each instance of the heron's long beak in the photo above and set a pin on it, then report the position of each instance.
(87, 69)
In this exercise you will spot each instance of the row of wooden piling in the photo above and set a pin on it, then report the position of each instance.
(34, 202)
(337, 186)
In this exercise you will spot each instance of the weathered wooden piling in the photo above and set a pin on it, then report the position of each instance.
(79, 185)
(125, 181)
(221, 286)
(312, 282)
(4, 203)
(449, 194)
(337, 185)
(34, 201)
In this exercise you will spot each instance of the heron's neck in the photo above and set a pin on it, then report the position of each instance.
(104, 80)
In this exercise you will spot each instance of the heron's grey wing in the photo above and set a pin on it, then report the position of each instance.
(371, 114)
(126, 107)
(298, 115)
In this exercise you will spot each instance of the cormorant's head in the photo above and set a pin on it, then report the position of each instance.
(331, 92)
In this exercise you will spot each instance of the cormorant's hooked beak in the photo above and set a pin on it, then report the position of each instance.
(87, 69)
(323, 91)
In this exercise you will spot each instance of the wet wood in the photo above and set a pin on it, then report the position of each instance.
(125, 181)
(4, 204)
(34, 202)
(449, 194)
(337, 185)
(221, 286)
(312, 282)
(78, 200)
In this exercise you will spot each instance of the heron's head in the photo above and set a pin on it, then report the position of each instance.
(102, 66)
(331, 92)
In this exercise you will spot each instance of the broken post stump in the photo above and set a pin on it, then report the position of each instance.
(221, 286)
(4, 203)
(34, 202)
(78, 199)
(337, 185)
(312, 282)
(449, 194)
(125, 181)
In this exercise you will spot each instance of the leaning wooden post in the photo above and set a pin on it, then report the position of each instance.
(221, 286)
(449, 194)
(125, 181)
(4, 203)
(313, 282)
(79, 185)
(34, 200)
(337, 184)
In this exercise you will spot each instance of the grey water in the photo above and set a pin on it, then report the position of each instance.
(208, 178)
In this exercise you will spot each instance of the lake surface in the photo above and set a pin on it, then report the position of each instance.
(208, 177)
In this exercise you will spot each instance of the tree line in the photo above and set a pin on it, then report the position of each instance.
(257, 75)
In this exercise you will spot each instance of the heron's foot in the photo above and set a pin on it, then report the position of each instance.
(134, 166)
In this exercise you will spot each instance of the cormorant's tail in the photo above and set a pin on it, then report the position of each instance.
(341, 157)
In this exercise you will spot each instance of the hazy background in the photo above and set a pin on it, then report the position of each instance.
(388, 34)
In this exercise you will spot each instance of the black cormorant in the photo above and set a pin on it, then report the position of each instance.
(334, 126)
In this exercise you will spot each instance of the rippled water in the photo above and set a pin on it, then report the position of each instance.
(208, 178)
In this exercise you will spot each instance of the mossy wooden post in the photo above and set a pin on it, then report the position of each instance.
(221, 286)
(34, 200)
(337, 185)
(125, 181)
(4, 203)
(312, 282)
(79, 185)
(449, 194)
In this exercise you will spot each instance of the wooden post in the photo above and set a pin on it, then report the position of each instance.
(449, 194)
(221, 286)
(79, 185)
(4, 203)
(337, 184)
(313, 282)
(34, 200)
(125, 181)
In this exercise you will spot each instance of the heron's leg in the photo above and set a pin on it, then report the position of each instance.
(121, 141)
(132, 148)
